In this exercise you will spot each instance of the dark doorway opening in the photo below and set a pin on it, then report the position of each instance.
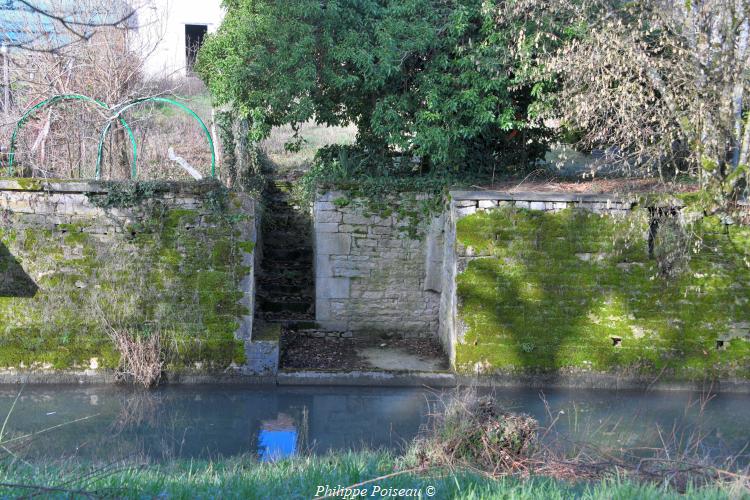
(194, 36)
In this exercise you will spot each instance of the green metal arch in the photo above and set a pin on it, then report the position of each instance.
(137, 102)
(55, 99)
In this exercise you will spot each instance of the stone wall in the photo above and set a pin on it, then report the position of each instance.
(651, 288)
(377, 271)
(78, 258)
(455, 256)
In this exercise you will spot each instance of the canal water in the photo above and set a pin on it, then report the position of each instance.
(108, 423)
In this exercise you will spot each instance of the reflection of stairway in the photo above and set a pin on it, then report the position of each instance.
(285, 283)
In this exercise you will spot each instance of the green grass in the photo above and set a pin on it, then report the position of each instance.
(301, 477)
(315, 136)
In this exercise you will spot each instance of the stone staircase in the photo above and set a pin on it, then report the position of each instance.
(286, 287)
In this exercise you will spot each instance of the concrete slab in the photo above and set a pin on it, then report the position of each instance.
(397, 359)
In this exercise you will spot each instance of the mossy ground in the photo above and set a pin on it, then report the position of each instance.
(169, 272)
(554, 291)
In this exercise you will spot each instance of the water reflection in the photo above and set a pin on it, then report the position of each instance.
(210, 421)
(277, 438)
(107, 423)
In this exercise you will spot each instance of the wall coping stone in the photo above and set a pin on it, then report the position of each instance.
(99, 187)
(538, 196)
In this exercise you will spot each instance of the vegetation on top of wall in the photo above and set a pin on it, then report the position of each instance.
(342, 167)
(413, 210)
(128, 193)
(579, 291)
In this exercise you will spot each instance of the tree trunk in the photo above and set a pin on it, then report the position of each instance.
(121, 168)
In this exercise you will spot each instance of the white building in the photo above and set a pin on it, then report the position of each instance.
(170, 32)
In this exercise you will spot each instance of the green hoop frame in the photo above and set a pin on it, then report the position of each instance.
(137, 102)
(67, 97)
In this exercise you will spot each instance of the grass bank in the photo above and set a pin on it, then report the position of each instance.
(302, 478)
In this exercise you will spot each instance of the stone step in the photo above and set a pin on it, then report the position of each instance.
(279, 213)
(306, 296)
(320, 334)
(279, 289)
(286, 306)
(287, 316)
(272, 264)
(287, 255)
(279, 277)
(291, 271)
(286, 251)
(288, 238)
(297, 324)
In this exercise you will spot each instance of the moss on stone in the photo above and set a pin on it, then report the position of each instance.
(577, 290)
(170, 271)
(28, 184)
(247, 246)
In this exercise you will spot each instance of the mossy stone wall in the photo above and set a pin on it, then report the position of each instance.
(77, 258)
(566, 287)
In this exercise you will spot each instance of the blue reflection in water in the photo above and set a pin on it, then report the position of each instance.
(277, 438)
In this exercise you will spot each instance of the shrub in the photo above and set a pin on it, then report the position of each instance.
(141, 355)
(475, 431)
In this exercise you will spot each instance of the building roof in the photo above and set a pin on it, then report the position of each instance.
(20, 25)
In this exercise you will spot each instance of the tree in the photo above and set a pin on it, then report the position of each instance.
(661, 84)
(428, 79)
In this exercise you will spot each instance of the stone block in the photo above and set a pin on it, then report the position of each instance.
(324, 205)
(332, 288)
(262, 358)
(327, 216)
(354, 229)
(365, 242)
(487, 203)
(463, 212)
(331, 196)
(333, 324)
(326, 227)
(351, 273)
(323, 266)
(361, 219)
(537, 205)
(323, 310)
(381, 230)
(333, 244)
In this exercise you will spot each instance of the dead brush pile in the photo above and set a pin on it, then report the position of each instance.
(471, 432)
(141, 355)
(475, 432)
